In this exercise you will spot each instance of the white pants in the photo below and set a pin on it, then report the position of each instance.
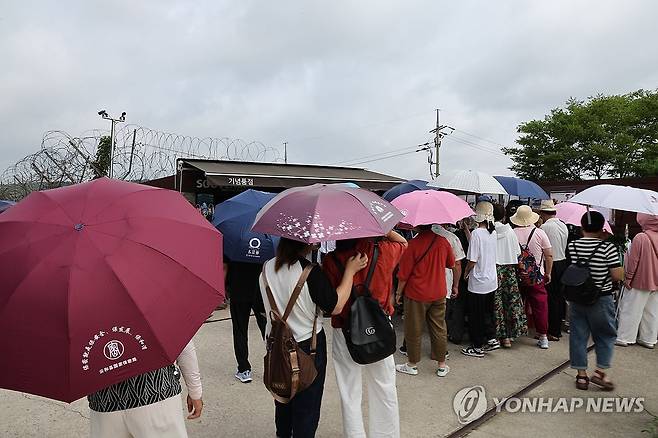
(383, 415)
(638, 317)
(163, 419)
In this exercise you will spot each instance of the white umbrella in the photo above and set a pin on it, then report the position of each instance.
(470, 181)
(619, 198)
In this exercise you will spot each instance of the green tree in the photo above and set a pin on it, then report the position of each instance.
(101, 165)
(603, 136)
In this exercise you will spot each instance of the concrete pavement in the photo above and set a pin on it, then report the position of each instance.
(233, 409)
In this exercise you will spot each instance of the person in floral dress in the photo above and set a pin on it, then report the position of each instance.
(509, 314)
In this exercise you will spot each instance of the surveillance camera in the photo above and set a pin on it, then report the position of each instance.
(123, 114)
(102, 112)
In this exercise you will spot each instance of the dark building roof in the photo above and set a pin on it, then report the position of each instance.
(649, 182)
(278, 175)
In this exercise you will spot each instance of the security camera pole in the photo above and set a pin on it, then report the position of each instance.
(114, 121)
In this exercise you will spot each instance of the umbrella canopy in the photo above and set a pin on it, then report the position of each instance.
(108, 280)
(407, 187)
(234, 218)
(324, 212)
(4, 205)
(521, 187)
(571, 213)
(469, 181)
(425, 207)
(619, 198)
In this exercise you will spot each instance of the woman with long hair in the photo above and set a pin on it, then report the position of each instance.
(301, 415)
(509, 313)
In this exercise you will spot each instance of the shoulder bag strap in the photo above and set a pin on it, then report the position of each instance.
(373, 263)
(532, 232)
(270, 297)
(596, 248)
(298, 290)
(427, 250)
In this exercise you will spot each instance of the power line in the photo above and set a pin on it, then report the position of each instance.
(477, 146)
(406, 148)
(386, 158)
(480, 138)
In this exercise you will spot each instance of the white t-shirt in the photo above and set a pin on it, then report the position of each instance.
(483, 279)
(557, 233)
(457, 249)
(282, 284)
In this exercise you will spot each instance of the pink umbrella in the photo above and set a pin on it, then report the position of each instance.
(324, 212)
(431, 207)
(571, 213)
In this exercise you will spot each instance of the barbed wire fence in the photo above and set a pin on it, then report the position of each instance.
(141, 154)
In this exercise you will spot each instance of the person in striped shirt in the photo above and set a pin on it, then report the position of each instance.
(598, 319)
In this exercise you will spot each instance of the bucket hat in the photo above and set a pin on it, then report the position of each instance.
(524, 216)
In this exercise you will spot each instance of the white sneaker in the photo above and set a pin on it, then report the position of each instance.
(491, 345)
(543, 343)
(646, 345)
(244, 377)
(442, 372)
(406, 369)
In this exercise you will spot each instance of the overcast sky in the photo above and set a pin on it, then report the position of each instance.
(338, 80)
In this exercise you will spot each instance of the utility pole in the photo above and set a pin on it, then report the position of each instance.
(114, 121)
(285, 152)
(438, 137)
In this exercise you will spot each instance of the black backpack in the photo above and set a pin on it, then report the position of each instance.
(577, 283)
(368, 332)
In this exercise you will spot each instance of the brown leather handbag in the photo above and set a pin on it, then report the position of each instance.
(288, 369)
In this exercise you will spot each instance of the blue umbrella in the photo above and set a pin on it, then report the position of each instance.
(234, 218)
(521, 187)
(407, 187)
(5, 205)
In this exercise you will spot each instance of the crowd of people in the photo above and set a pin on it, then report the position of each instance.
(495, 276)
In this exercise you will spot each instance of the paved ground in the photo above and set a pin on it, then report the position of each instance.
(238, 410)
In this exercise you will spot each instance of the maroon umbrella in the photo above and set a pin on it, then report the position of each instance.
(324, 212)
(100, 282)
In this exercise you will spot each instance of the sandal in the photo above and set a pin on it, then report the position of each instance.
(582, 382)
(599, 380)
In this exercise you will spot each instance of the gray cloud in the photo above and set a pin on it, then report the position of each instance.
(337, 80)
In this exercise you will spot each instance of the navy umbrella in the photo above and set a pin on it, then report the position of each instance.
(407, 187)
(5, 205)
(234, 218)
(521, 187)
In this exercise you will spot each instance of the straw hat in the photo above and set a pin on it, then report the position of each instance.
(547, 206)
(524, 216)
(484, 212)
